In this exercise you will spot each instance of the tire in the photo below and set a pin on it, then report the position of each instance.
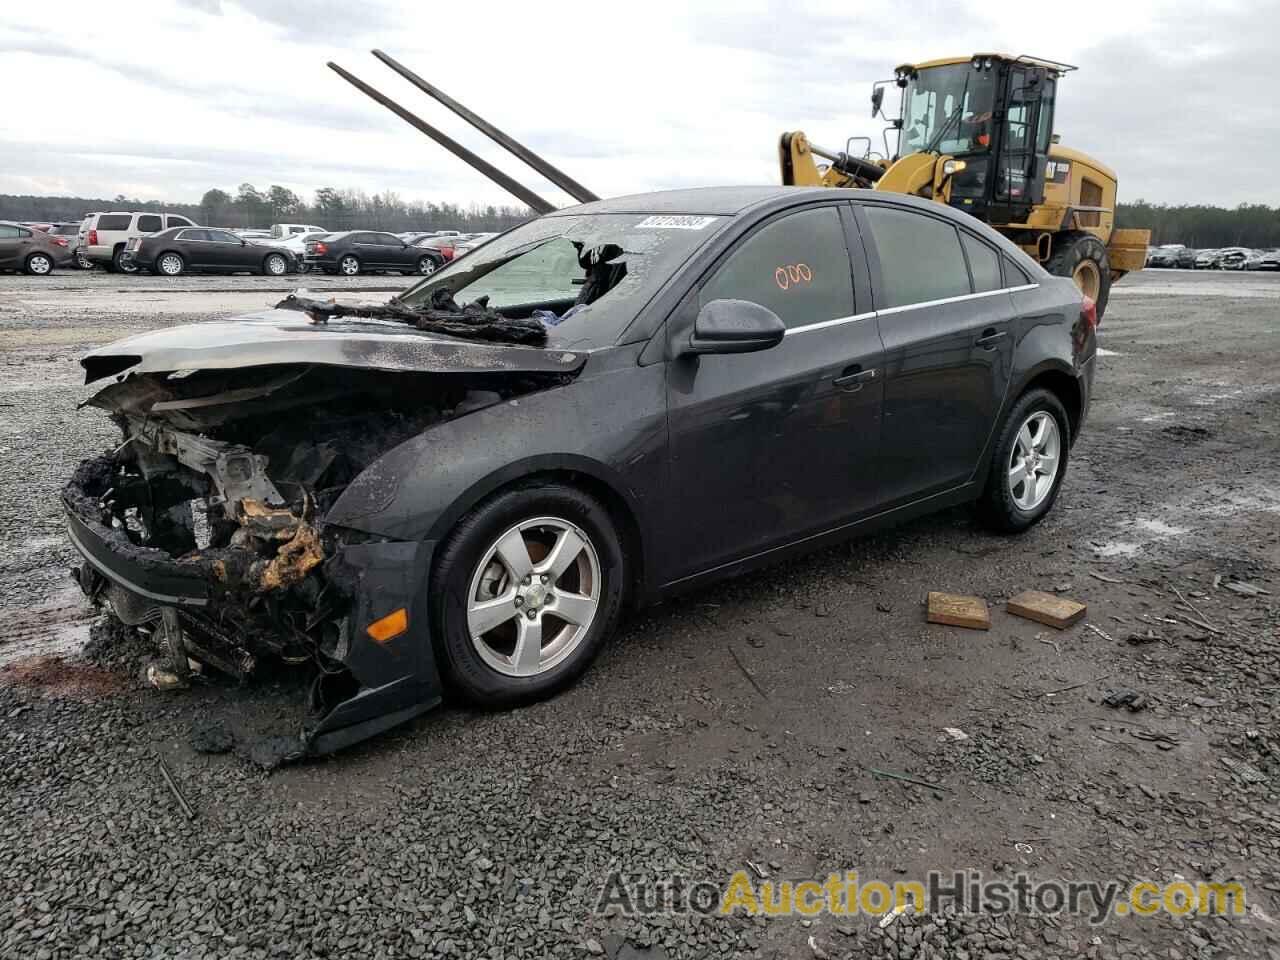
(1083, 258)
(170, 264)
(1009, 507)
(275, 265)
(118, 265)
(349, 266)
(38, 265)
(488, 671)
(426, 266)
(83, 262)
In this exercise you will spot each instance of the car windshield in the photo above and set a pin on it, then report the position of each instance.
(948, 110)
(591, 273)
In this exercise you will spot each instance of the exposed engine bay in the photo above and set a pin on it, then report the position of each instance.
(207, 524)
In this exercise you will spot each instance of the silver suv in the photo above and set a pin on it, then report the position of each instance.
(103, 236)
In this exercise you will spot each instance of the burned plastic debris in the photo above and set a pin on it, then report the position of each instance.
(472, 321)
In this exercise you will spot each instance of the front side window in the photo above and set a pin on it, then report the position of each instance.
(222, 236)
(920, 257)
(150, 223)
(387, 240)
(8, 233)
(797, 266)
(948, 110)
(984, 263)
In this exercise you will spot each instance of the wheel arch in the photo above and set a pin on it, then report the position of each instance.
(590, 476)
(1063, 384)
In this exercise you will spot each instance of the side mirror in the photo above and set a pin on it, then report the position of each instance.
(734, 326)
(877, 98)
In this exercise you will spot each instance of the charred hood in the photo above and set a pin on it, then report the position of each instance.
(286, 337)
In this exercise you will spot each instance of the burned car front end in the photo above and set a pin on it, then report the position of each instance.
(207, 524)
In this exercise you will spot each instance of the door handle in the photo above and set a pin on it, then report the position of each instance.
(990, 338)
(852, 379)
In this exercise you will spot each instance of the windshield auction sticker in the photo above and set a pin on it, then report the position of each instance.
(675, 223)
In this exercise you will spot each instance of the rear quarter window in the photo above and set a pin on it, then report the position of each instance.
(984, 264)
(1014, 275)
(115, 221)
(906, 240)
(150, 223)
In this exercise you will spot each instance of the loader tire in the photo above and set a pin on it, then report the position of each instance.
(1083, 258)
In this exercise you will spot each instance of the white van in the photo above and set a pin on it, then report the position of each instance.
(103, 235)
(283, 231)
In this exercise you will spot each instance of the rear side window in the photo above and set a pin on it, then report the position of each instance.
(179, 222)
(797, 266)
(920, 257)
(150, 223)
(1015, 276)
(388, 240)
(67, 229)
(115, 221)
(194, 235)
(984, 263)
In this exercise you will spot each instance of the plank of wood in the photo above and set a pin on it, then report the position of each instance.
(1042, 607)
(956, 610)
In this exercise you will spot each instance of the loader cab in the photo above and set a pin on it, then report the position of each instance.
(993, 112)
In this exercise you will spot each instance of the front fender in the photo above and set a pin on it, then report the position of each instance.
(609, 423)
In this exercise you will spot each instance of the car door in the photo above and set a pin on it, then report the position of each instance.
(226, 250)
(9, 246)
(768, 447)
(367, 250)
(946, 323)
(195, 247)
(391, 251)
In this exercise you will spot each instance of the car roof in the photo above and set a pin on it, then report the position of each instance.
(712, 201)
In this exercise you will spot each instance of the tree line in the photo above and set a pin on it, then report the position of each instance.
(1200, 225)
(1196, 225)
(250, 207)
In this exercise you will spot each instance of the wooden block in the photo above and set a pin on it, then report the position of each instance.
(1046, 608)
(958, 611)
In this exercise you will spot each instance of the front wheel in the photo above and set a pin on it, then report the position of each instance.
(39, 265)
(1028, 465)
(1083, 258)
(526, 590)
(426, 266)
(349, 266)
(275, 265)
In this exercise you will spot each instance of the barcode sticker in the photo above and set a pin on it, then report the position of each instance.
(682, 222)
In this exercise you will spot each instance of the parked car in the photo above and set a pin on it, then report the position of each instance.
(282, 231)
(1254, 260)
(720, 378)
(1186, 259)
(31, 251)
(361, 251)
(445, 248)
(1269, 260)
(102, 236)
(207, 250)
(1208, 259)
(296, 244)
(471, 243)
(1233, 258)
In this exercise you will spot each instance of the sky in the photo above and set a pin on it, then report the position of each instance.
(1178, 97)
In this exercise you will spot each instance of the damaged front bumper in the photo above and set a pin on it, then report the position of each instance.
(271, 583)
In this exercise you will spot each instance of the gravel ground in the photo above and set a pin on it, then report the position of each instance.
(739, 724)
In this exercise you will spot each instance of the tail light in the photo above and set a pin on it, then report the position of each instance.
(60, 241)
(446, 252)
(93, 238)
(322, 248)
(1089, 313)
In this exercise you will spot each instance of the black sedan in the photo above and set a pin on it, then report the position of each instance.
(359, 251)
(207, 250)
(614, 403)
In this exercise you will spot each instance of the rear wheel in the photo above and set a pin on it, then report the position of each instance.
(83, 262)
(39, 264)
(170, 264)
(1029, 463)
(119, 264)
(275, 265)
(349, 266)
(1083, 258)
(526, 590)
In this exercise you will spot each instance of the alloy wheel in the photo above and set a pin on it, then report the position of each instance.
(276, 265)
(171, 264)
(534, 596)
(350, 266)
(426, 266)
(1034, 462)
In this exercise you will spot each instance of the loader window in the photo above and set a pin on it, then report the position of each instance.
(948, 110)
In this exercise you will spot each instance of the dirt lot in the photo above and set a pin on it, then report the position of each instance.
(741, 724)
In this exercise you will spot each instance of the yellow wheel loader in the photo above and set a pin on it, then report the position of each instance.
(977, 133)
